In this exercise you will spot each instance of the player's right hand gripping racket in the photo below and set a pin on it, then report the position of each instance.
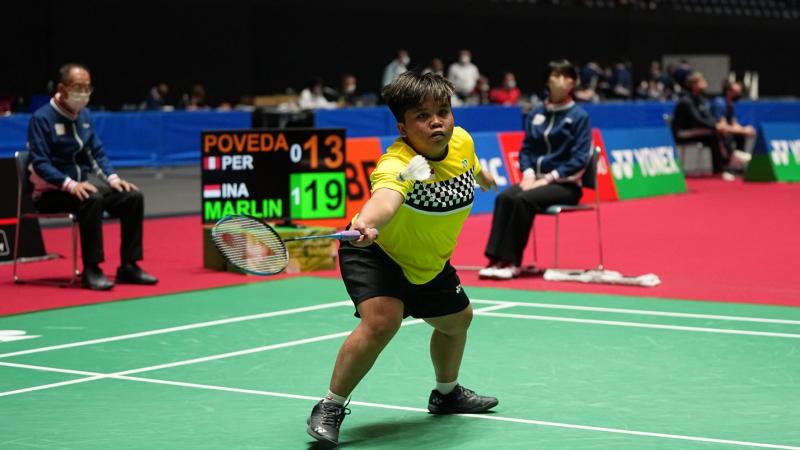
(255, 247)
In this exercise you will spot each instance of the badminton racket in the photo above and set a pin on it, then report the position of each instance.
(254, 247)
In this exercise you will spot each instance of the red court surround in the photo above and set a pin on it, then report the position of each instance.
(722, 241)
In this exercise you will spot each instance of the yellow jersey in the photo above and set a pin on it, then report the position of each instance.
(422, 235)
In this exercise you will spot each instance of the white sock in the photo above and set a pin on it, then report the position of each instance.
(446, 388)
(333, 398)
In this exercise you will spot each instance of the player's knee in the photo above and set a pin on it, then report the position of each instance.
(383, 328)
(456, 324)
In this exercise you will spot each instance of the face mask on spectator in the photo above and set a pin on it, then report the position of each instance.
(405, 60)
(77, 100)
(557, 84)
(464, 59)
(511, 84)
(350, 88)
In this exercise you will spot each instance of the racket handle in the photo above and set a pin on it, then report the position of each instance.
(350, 235)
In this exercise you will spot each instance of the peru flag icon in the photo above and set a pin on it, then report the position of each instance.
(211, 163)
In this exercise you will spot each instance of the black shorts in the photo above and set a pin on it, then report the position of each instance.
(369, 272)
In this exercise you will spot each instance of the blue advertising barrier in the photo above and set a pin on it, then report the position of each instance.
(643, 162)
(379, 121)
(776, 156)
(139, 138)
(167, 138)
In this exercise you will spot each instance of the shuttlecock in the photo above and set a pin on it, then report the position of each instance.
(418, 170)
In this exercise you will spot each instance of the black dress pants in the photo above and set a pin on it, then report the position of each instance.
(514, 211)
(127, 206)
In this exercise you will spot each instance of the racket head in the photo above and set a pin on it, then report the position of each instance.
(250, 245)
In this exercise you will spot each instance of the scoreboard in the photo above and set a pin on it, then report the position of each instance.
(275, 175)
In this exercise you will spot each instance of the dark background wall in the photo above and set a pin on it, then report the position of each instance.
(254, 47)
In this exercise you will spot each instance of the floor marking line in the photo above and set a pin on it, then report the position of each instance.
(179, 328)
(276, 346)
(639, 325)
(51, 385)
(644, 312)
(469, 416)
(96, 376)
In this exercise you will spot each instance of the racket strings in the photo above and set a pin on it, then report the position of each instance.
(251, 246)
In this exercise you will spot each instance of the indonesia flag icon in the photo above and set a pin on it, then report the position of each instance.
(211, 163)
(212, 191)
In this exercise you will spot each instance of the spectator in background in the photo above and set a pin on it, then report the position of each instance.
(70, 172)
(656, 86)
(733, 133)
(157, 98)
(553, 157)
(313, 96)
(693, 121)
(397, 66)
(590, 74)
(436, 67)
(480, 95)
(195, 99)
(507, 94)
(463, 74)
(680, 74)
(622, 81)
(349, 95)
(589, 79)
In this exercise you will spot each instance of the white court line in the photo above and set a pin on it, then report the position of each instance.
(640, 325)
(345, 303)
(179, 328)
(493, 417)
(643, 312)
(93, 375)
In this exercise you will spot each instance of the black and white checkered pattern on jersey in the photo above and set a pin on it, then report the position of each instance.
(443, 196)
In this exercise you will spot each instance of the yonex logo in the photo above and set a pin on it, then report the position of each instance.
(458, 289)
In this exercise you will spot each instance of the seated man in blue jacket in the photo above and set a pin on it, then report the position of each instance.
(553, 157)
(65, 151)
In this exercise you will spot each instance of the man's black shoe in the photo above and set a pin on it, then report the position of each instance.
(93, 278)
(460, 401)
(130, 273)
(324, 422)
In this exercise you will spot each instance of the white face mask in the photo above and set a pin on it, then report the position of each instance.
(350, 88)
(77, 101)
(465, 59)
(558, 87)
(405, 60)
(512, 84)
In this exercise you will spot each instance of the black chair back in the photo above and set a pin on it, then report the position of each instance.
(589, 178)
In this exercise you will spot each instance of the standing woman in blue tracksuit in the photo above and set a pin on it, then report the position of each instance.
(552, 159)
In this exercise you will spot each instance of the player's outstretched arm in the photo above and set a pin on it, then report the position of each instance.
(377, 212)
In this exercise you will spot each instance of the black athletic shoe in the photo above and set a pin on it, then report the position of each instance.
(324, 422)
(460, 401)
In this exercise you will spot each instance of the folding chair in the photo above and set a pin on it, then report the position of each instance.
(589, 180)
(702, 153)
(26, 211)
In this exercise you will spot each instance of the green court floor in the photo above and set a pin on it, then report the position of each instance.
(241, 367)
